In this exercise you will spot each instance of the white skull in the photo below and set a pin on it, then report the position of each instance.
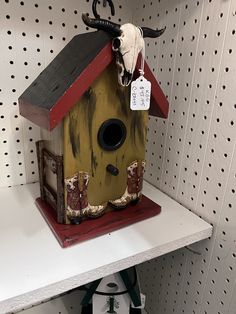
(128, 46)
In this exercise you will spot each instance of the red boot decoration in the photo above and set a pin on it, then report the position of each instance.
(134, 186)
(77, 199)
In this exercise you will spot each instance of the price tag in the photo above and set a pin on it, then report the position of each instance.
(140, 94)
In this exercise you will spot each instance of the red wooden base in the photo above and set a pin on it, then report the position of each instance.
(68, 235)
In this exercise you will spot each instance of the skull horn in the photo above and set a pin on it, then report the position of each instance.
(152, 33)
(102, 24)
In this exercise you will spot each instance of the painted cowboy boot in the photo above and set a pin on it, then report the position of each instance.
(134, 186)
(88, 210)
(73, 212)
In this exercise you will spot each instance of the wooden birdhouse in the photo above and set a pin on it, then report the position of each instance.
(92, 153)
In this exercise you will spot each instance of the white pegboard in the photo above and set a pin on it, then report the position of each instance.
(31, 34)
(191, 156)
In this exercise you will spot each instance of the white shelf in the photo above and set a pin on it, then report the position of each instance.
(33, 266)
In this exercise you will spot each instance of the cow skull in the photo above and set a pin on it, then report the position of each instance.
(128, 42)
(127, 46)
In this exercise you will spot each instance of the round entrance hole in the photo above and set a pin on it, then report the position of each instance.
(111, 134)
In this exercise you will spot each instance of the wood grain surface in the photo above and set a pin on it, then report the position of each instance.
(68, 235)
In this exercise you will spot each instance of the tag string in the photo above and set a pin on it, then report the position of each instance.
(141, 70)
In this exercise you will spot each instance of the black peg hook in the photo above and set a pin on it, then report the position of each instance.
(94, 7)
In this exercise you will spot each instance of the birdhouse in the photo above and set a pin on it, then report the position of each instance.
(92, 154)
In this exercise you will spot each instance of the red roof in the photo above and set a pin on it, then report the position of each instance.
(48, 110)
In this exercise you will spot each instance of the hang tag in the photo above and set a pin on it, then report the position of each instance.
(140, 94)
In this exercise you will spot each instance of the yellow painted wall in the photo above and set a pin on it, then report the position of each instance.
(104, 100)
